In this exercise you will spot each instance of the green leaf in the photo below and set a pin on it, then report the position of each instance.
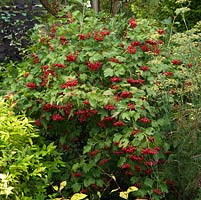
(93, 102)
(99, 182)
(95, 57)
(76, 187)
(117, 137)
(108, 92)
(124, 142)
(121, 161)
(89, 181)
(75, 167)
(115, 114)
(87, 149)
(83, 77)
(148, 182)
(149, 131)
(119, 71)
(140, 136)
(50, 147)
(86, 167)
(66, 78)
(136, 116)
(126, 115)
(108, 72)
(38, 171)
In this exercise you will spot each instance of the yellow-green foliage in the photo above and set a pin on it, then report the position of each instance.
(23, 164)
(15, 130)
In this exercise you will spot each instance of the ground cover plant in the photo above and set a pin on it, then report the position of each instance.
(104, 91)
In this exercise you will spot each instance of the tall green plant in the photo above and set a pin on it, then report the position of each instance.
(184, 163)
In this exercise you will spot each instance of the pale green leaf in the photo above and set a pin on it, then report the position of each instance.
(93, 102)
(113, 177)
(140, 137)
(55, 187)
(119, 71)
(123, 195)
(62, 185)
(136, 116)
(99, 194)
(124, 142)
(114, 190)
(78, 196)
(132, 189)
(75, 167)
(87, 149)
(83, 77)
(126, 115)
(108, 93)
(108, 72)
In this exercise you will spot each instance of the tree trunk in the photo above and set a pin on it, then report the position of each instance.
(52, 8)
(95, 4)
(115, 8)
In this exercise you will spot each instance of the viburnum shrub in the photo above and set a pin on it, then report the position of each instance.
(95, 86)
